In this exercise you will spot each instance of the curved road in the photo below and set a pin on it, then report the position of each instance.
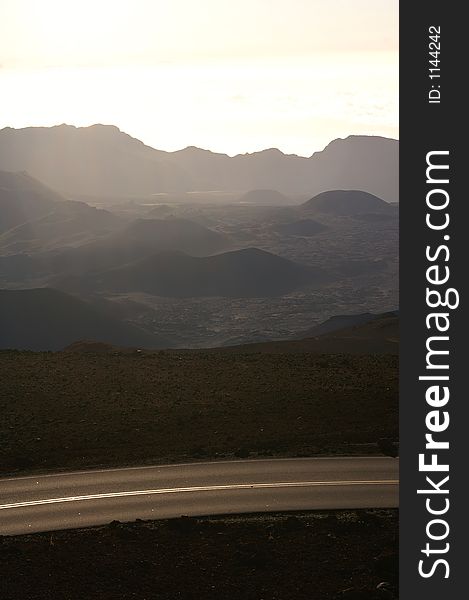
(85, 498)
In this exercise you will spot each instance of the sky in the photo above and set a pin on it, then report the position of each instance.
(230, 76)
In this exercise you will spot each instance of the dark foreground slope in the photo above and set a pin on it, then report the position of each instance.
(47, 319)
(338, 322)
(325, 556)
(372, 334)
(77, 410)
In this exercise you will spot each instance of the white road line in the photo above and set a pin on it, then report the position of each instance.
(197, 464)
(240, 486)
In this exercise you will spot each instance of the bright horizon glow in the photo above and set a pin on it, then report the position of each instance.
(231, 78)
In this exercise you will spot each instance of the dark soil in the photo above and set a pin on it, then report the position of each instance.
(314, 556)
(77, 410)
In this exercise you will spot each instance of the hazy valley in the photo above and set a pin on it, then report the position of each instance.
(188, 268)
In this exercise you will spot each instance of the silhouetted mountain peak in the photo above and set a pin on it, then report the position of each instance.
(198, 151)
(111, 129)
(354, 141)
(267, 153)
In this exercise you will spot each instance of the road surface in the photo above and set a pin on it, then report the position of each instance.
(86, 498)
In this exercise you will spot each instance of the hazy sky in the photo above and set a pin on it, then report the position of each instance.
(231, 76)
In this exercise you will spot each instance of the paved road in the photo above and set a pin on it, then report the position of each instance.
(80, 499)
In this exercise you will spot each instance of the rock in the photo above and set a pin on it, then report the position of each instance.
(354, 594)
(386, 591)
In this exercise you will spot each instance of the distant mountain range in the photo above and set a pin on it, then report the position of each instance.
(102, 161)
(235, 244)
(47, 319)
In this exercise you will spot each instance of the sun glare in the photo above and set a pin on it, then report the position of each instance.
(76, 33)
(175, 73)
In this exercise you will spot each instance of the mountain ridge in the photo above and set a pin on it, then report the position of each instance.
(101, 160)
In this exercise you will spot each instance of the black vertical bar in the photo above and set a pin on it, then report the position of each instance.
(424, 127)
